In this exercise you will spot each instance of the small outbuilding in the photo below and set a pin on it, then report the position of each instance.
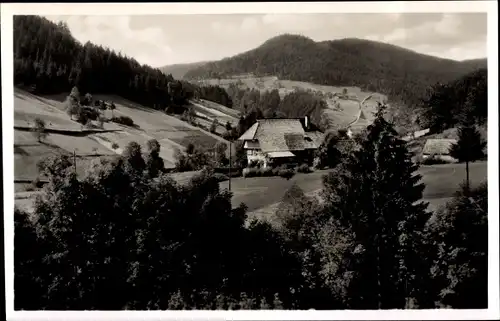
(439, 149)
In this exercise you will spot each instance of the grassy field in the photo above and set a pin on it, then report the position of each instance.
(171, 132)
(285, 86)
(207, 111)
(261, 194)
(218, 110)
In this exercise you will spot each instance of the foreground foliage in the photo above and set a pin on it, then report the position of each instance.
(118, 238)
(126, 236)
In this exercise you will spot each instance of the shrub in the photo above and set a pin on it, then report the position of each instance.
(266, 172)
(250, 172)
(304, 168)
(213, 126)
(227, 135)
(286, 173)
(255, 164)
(114, 146)
(433, 160)
(100, 122)
(39, 129)
(88, 124)
(124, 120)
(29, 187)
(221, 177)
(88, 113)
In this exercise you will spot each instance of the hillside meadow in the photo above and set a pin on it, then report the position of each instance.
(341, 110)
(170, 132)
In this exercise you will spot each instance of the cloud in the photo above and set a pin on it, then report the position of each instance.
(249, 24)
(450, 29)
(168, 39)
(146, 45)
(471, 50)
(291, 22)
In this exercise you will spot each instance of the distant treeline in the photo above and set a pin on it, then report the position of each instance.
(266, 104)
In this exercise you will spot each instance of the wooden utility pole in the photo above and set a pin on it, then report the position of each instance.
(74, 160)
(230, 162)
(467, 176)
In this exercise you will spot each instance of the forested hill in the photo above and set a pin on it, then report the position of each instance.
(179, 70)
(48, 60)
(402, 74)
(449, 102)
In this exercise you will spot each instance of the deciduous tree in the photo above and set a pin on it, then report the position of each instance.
(39, 129)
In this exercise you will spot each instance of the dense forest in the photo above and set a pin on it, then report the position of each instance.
(401, 74)
(47, 59)
(178, 71)
(214, 93)
(447, 102)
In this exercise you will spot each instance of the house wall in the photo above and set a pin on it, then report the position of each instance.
(256, 155)
(446, 158)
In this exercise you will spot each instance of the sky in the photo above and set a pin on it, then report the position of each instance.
(160, 40)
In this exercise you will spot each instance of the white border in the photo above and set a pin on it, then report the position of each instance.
(7, 10)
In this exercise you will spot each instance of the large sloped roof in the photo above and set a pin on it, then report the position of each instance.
(438, 146)
(277, 135)
(317, 137)
(250, 133)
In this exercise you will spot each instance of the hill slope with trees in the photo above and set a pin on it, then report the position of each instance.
(402, 74)
(49, 60)
(179, 70)
(447, 102)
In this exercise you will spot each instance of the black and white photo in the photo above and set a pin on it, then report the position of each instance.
(251, 161)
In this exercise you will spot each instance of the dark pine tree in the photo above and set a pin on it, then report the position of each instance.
(48, 60)
(470, 146)
(375, 194)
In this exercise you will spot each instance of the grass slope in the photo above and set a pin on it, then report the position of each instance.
(171, 132)
(261, 194)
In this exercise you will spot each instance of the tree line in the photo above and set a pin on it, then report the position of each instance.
(445, 103)
(267, 104)
(126, 236)
(48, 60)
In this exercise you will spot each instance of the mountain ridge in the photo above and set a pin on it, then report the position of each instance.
(402, 74)
(179, 70)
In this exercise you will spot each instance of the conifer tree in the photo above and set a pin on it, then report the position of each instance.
(470, 146)
(375, 194)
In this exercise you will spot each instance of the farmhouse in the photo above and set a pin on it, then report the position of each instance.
(277, 141)
(439, 149)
